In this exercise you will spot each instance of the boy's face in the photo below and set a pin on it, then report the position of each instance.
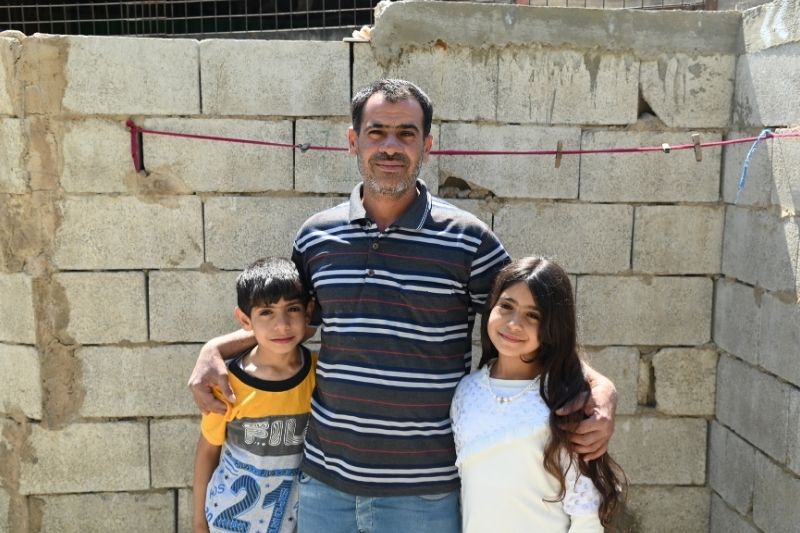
(278, 327)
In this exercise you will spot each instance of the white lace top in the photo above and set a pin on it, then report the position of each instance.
(500, 449)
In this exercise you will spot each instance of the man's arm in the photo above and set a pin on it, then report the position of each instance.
(210, 369)
(206, 460)
(592, 435)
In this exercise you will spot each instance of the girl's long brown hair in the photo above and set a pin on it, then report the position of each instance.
(562, 377)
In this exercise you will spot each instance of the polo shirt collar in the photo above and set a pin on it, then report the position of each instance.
(413, 218)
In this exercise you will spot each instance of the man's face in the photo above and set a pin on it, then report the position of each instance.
(391, 146)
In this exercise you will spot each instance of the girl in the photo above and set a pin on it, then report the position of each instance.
(518, 469)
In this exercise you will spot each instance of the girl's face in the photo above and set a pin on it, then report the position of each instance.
(513, 324)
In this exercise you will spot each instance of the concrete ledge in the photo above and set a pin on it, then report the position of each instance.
(408, 24)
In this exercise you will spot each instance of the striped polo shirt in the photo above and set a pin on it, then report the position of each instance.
(396, 309)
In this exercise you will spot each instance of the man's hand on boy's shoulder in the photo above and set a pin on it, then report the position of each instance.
(209, 372)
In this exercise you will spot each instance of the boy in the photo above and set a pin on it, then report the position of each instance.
(247, 460)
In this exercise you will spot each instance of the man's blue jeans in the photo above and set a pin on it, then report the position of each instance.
(324, 509)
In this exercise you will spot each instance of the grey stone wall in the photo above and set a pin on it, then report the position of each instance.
(754, 471)
(110, 279)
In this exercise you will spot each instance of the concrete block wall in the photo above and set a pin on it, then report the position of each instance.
(110, 279)
(754, 472)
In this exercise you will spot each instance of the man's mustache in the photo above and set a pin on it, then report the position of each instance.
(382, 156)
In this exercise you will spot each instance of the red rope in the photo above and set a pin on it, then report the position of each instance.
(136, 148)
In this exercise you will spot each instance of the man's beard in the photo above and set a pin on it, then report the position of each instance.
(396, 189)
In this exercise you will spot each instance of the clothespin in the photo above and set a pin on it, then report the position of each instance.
(666, 148)
(304, 147)
(559, 154)
(698, 150)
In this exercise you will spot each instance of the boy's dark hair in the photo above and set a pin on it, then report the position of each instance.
(268, 280)
(393, 91)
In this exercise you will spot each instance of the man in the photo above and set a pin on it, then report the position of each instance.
(397, 276)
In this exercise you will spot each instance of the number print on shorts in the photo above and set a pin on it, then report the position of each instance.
(278, 499)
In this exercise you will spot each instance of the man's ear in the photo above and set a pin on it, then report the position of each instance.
(309, 311)
(243, 319)
(426, 149)
(352, 137)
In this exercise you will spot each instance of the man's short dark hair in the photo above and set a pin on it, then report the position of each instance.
(393, 91)
(268, 280)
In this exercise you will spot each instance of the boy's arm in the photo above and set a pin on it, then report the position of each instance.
(210, 369)
(206, 460)
(592, 435)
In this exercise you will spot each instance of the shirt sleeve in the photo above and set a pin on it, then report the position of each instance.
(299, 261)
(213, 425)
(489, 259)
(581, 502)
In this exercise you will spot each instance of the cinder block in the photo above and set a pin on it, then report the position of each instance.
(632, 310)
(16, 309)
(678, 239)
(549, 86)
(793, 433)
(257, 77)
(479, 208)
(13, 176)
(23, 388)
(110, 511)
(731, 469)
(737, 319)
(128, 75)
(105, 307)
(184, 511)
(85, 457)
(745, 413)
(776, 495)
(580, 237)
(786, 173)
(323, 171)
(621, 366)
(649, 176)
(172, 447)
(97, 156)
(5, 505)
(240, 230)
(142, 381)
(759, 185)
(661, 451)
(441, 72)
(726, 520)
(761, 249)
(511, 176)
(779, 342)
(207, 166)
(9, 51)
(669, 509)
(685, 381)
(192, 306)
(766, 87)
(123, 233)
(770, 24)
(689, 91)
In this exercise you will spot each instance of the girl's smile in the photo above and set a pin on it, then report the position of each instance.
(513, 328)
